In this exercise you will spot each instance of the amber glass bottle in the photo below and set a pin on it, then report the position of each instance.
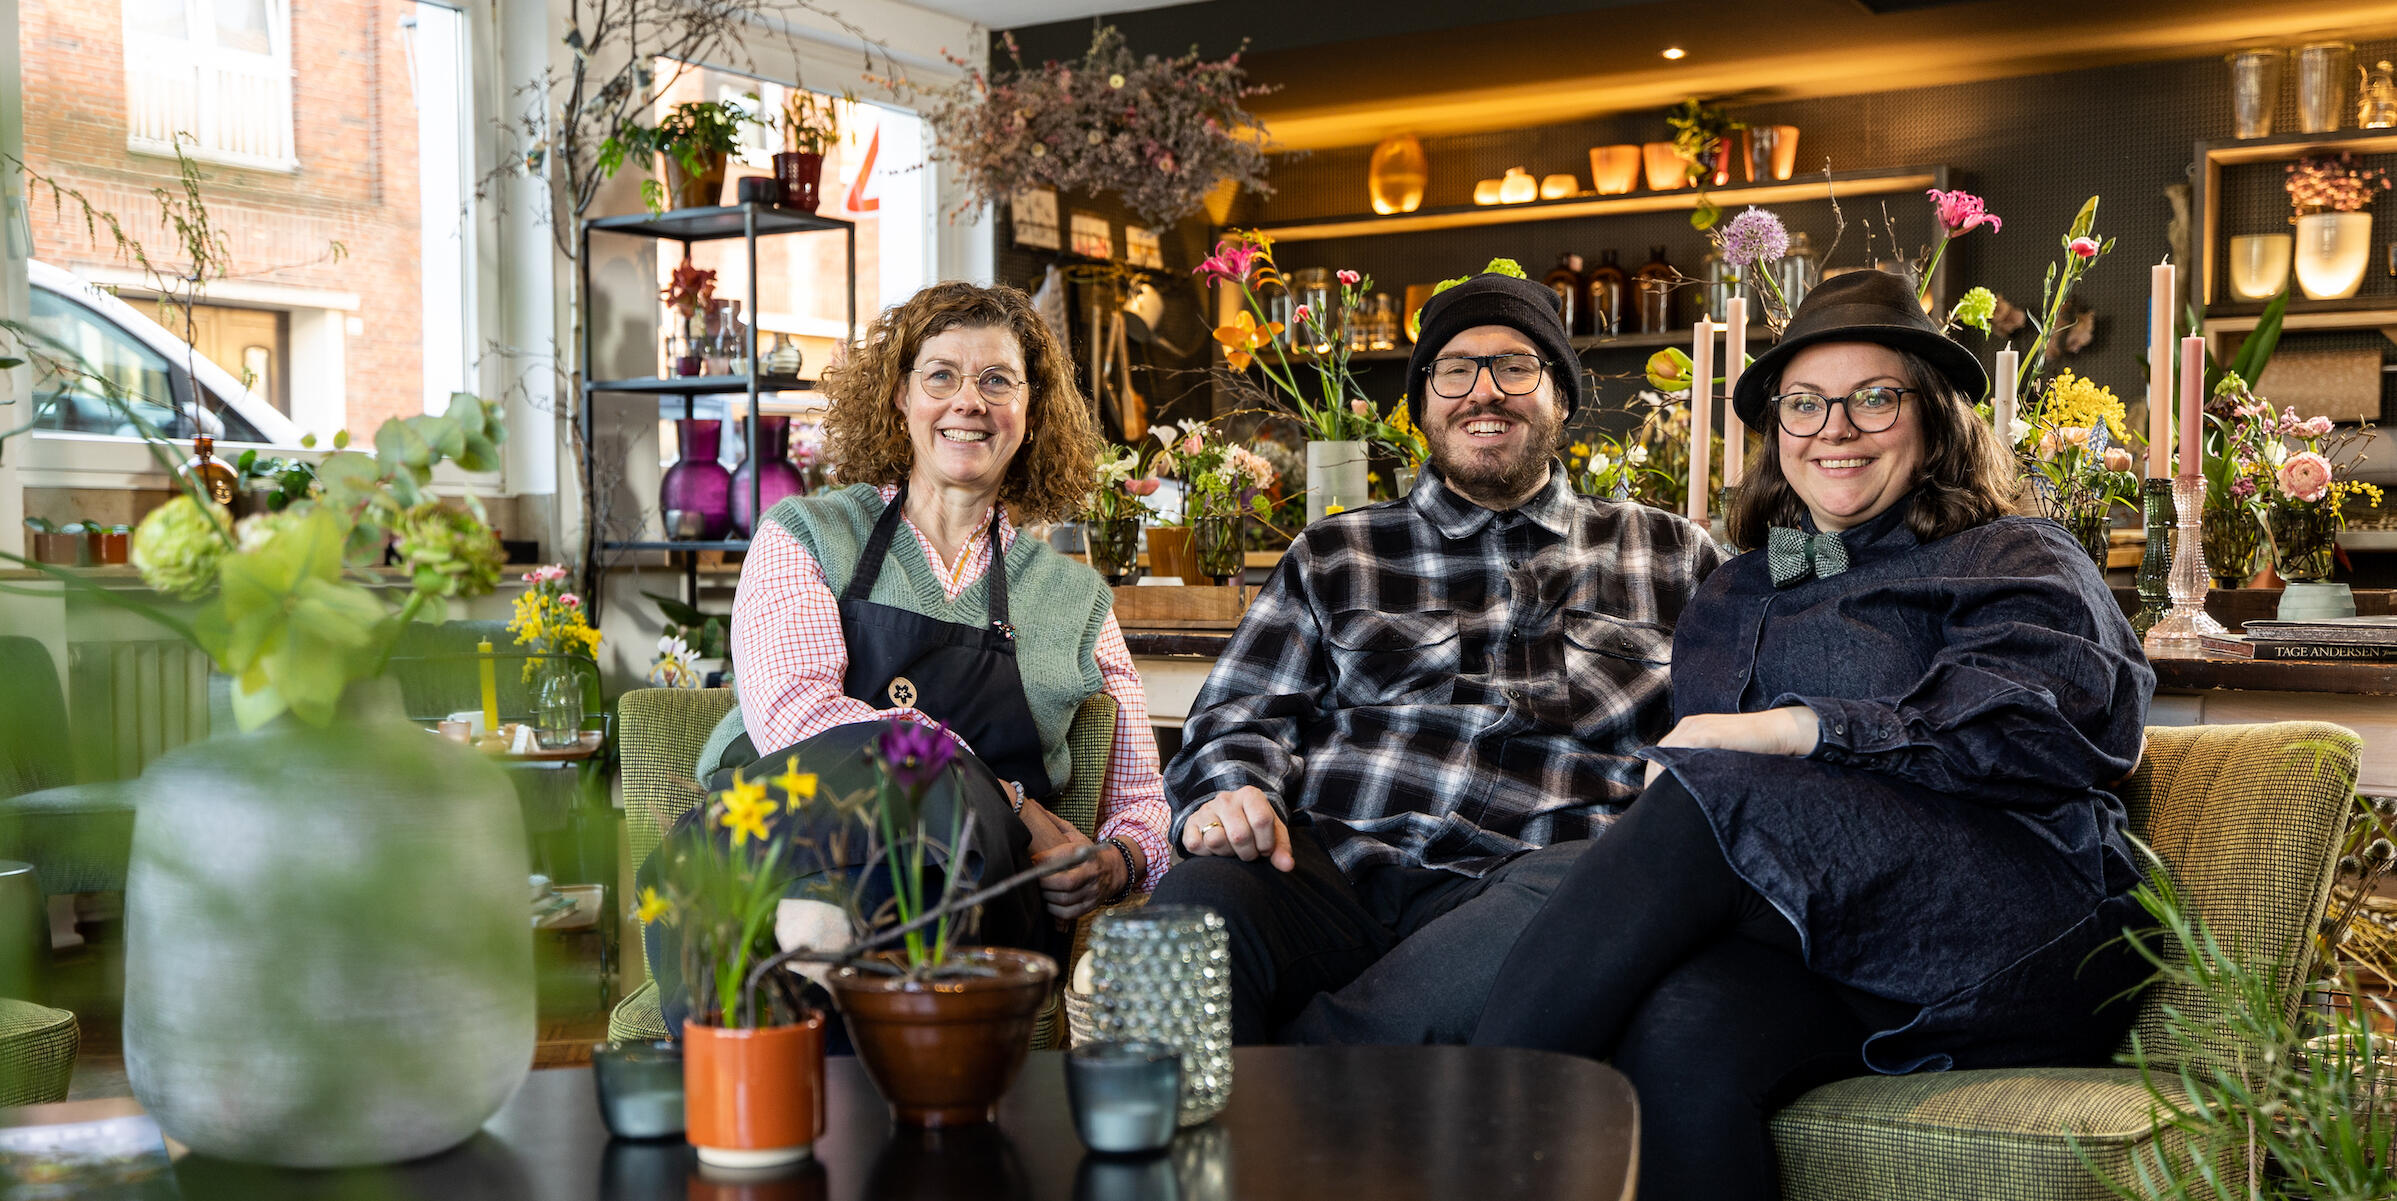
(1602, 295)
(1565, 281)
(1654, 288)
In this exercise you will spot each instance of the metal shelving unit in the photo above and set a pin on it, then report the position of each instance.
(748, 222)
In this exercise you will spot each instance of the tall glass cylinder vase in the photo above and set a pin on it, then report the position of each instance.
(2231, 537)
(1335, 477)
(557, 702)
(2323, 69)
(779, 478)
(1222, 554)
(2302, 540)
(2089, 529)
(695, 496)
(2255, 88)
(1164, 973)
(1114, 548)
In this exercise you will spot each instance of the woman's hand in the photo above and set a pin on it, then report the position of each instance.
(1789, 730)
(1078, 889)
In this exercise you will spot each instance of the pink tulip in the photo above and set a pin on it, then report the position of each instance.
(2085, 248)
(1361, 407)
(1146, 486)
(1962, 212)
(1193, 444)
(2306, 476)
(1349, 277)
(2117, 459)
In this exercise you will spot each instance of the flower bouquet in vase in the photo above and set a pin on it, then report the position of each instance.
(1111, 520)
(550, 619)
(687, 294)
(2080, 464)
(1223, 484)
(2296, 474)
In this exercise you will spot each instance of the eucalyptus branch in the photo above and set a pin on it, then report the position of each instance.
(854, 953)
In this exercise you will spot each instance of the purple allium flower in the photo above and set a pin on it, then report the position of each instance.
(915, 754)
(1753, 237)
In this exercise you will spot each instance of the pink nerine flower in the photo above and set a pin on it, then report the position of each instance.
(1962, 212)
(1349, 277)
(1229, 263)
(2085, 248)
(2306, 476)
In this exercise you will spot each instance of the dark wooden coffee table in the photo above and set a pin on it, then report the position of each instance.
(1304, 1122)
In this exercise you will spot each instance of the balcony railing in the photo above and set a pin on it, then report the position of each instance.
(236, 107)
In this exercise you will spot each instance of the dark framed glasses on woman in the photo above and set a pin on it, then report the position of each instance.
(996, 386)
(1871, 409)
(1516, 374)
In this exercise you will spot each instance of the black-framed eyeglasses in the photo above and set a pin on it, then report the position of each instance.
(1870, 409)
(996, 386)
(1515, 373)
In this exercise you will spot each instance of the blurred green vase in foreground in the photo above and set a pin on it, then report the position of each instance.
(327, 956)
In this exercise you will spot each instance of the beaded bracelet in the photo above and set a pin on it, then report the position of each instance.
(1130, 870)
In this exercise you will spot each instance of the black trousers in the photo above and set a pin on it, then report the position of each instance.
(1653, 953)
(1399, 955)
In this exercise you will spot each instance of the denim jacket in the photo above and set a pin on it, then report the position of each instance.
(1948, 843)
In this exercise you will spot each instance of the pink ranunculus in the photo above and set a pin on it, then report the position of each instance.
(1349, 277)
(1194, 443)
(2314, 427)
(1360, 406)
(1962, 212)
(1146, 486)
(2117, 459)
(2305, 477)
(2083, 248)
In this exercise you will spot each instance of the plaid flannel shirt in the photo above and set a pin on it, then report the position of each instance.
(1432, 683)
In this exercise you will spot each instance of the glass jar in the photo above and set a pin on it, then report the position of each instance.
(557, 702)
(1654, 292)
(1164, 973)
(2230, 537)
(1603, 290)
(1381, 322)
(1222, 555)
(1798, 271)
(2302, 538)
(1312, 287)
(1114, 545)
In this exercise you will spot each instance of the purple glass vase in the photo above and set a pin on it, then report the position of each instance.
(782, 477)
(695, 497)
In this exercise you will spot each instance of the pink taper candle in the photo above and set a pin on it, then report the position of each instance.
(1702, 400)
(2159, 371)
(1735, 359)
(2193, 400)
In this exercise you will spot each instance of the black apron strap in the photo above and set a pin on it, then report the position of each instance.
(878, 547)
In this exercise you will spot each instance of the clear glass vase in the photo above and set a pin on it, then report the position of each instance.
(1216, 541)
(1164, 973)
(1114, 545)
(557, 703)
(2302, 538)
(2230, 537)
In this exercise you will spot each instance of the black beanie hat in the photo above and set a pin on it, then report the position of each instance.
(1526, 306)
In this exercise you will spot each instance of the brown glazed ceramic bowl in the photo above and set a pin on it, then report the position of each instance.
(943, 1051)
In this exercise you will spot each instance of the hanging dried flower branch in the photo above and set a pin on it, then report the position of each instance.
(1159, 132)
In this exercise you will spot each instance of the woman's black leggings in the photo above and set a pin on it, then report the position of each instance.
(1654, 954)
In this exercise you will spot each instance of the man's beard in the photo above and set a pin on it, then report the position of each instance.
(1479, 473)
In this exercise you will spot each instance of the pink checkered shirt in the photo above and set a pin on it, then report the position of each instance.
(789, 657)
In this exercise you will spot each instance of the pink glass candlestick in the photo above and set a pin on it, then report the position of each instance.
(2187, 623)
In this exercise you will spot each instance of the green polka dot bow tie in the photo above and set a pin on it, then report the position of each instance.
(1795, 555)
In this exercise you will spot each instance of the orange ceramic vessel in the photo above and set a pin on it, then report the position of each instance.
(944, 1051)
(753, 1098)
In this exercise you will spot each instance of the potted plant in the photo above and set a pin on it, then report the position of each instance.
(693, 140)
(1318, 391)
(1112, 518)
(325, 909)
(753, 1049)
(1702, 135)
(810, 125)
(940, 1028)
(2334, 233)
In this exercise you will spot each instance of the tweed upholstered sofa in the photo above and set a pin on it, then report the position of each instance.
(2247, 818)
(660, 732)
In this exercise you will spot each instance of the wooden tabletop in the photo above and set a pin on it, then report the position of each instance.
(1304, 1122)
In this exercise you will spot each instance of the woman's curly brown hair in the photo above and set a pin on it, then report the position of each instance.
(865, 434)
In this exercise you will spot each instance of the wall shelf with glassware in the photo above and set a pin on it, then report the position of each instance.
(748, 222)
(2209, 158)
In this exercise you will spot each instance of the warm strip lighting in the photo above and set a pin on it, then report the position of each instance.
(1676, 53)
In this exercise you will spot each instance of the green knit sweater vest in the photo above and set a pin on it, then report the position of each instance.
(1058, 607)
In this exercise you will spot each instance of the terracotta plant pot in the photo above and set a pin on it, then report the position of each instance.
(753, 1098)
(687, 191)
(1171, 553)
(944, 1051)
(801, 176)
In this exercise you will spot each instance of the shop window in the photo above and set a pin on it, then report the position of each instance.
(218, 71)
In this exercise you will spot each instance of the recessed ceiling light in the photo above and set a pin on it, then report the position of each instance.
(1676, 52)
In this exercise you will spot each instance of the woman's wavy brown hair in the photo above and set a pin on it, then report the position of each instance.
(1966, 477)
(865, 434)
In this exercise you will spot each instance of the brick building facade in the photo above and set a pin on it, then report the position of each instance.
(99, 76)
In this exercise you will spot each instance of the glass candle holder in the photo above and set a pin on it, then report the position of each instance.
(640, 1088)
(1163, 973)
(1126, 1096)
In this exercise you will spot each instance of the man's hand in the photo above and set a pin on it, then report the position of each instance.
(1240, 822)
(1078, 889)
(1790, 730)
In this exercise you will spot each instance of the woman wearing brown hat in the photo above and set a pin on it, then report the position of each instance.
(1877, 839)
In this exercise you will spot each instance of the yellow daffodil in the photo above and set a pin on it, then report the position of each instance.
(653, 906)
(745, 810)
(1243, 338)
(798, 787)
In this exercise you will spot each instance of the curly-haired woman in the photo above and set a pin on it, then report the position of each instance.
(879, 600)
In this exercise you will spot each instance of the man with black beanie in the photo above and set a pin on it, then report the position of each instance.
(1433, 703)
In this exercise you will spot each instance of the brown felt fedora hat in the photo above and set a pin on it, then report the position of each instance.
(1860, 306)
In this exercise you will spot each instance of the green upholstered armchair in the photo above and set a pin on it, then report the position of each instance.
(78, 837)
(660, 732)
(2247, 818)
